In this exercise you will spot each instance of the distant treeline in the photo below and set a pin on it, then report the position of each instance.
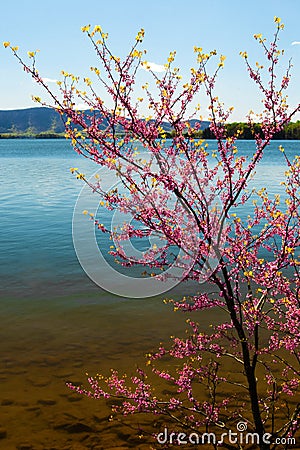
(290, 131)
(44, 135)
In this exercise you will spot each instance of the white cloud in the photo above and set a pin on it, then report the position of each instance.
(49, 80)
(81, 106)
(146, 65)
(296, 43)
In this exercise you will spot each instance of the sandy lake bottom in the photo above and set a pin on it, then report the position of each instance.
(45, 343)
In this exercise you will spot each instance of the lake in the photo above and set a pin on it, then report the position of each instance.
(38, 195)
(56, 323)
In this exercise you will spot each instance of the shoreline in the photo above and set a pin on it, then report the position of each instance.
(33, 136)
(50, 136)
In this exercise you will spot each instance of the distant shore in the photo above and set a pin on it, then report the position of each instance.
(32, 136)
(47, 123)
(169, 136)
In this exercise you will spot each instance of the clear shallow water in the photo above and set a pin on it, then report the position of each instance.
(38, 194)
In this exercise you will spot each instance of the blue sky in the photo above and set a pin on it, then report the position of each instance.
(53, 27)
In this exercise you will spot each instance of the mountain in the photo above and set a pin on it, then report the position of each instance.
(33, 120)
(39, 120)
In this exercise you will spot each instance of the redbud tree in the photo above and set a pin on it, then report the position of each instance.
(250, 264)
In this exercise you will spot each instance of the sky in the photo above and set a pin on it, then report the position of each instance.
(54, 27)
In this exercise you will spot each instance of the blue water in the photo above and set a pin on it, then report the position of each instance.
(38, 194)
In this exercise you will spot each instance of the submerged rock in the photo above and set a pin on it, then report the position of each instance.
(46, 402)
(25, 446)
(3, 433)
(39, 381)
(7, 402)
(74, 427)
